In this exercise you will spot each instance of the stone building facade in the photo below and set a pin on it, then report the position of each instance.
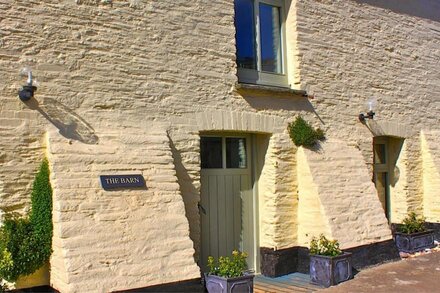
(133, 87)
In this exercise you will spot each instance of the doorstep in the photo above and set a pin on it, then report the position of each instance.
(296, 282)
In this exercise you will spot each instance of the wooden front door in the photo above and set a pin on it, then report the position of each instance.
(226, 206)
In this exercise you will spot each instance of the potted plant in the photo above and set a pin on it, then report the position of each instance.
(229, 274)
(328, 264)
(412, 235)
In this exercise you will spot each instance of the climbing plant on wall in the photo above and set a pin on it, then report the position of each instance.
(303, 134)
(26, 243)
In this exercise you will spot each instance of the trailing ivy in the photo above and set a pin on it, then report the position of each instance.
(302, 134)
(26, 243)
(41, 212)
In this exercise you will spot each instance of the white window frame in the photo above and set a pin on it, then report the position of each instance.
(252, 76)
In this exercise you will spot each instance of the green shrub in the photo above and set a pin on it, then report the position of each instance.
(323, 246)
(302, 134)
(20, 245)
(228, 267)
(6, 263)
(41, 212)
(412, 224)
(26, 244)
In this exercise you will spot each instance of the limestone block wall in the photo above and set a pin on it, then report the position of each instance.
(184, 142)
(431, 175)
(129, 238)
(399, 189)
(415, 167)
(102, 60)
(350, 51)
(21, 151)
(278, 195)
(405, 186)
(277, 191)
(312, 218)
(355, 50)
(118, 77)
(285, 195)
(337, 197)
(293, 54)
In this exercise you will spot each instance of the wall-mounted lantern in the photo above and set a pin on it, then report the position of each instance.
(370, 114)
(26, 92)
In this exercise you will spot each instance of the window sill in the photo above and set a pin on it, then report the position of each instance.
(246, 88)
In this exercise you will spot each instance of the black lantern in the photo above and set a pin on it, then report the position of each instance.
(26, 92)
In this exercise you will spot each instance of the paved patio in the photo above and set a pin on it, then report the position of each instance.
(418, 273)
(415, 274)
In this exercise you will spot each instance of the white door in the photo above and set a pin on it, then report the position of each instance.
(226, 207)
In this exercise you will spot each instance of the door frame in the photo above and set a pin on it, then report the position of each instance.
(383, 168)
(252, 154)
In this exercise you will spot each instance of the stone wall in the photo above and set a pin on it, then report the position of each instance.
(278, 199)
(337, 198)
(106, 72)
(351, 51)
(121, 78)
(355, 50)
(431, 175)
(399, 194)
(311, 215)
(21, 151)
(130, 238)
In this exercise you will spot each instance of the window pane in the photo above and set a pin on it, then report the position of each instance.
(270, 35)
(236, 153)
(211, 152)
(245, 34)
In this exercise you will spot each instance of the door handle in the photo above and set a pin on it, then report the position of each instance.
(201, 208)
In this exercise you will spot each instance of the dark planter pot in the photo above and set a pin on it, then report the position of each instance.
(411, 243)
(216, 284)
(328, 271)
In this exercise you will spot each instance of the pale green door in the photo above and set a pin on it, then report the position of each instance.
(381, 172)
(226, 207)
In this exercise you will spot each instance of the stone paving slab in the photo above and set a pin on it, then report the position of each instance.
(415, 274)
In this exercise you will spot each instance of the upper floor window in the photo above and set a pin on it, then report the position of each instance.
(260, 42)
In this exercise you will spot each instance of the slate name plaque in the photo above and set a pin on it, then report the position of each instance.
(109, 182)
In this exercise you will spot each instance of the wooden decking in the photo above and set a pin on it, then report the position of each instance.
(296, 282)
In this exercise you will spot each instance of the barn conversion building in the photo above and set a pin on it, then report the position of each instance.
(191, 100)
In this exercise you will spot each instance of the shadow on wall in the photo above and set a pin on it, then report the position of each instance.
(281, 103)
(190, 202)
(428, 9)
(395, 148)
(70, 125)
